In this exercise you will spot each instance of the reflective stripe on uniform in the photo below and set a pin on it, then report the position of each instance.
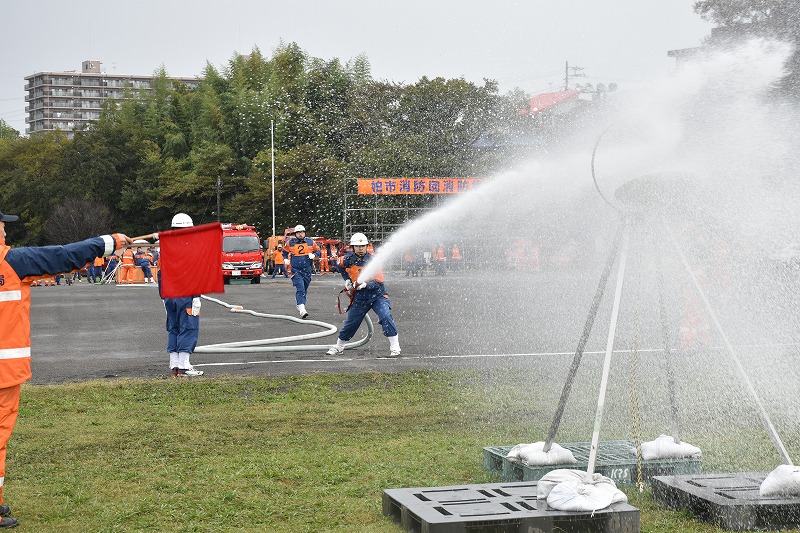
(10, 296)
(15, 353)
(110, 245)
(1, 480)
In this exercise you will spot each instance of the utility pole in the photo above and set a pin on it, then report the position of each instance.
(219, 186)
(577, 72)
(272, 151)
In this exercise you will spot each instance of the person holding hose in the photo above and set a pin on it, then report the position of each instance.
(18, 268)
(300, 252)
(368, 295)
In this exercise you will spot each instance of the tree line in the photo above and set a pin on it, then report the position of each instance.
(176, 149)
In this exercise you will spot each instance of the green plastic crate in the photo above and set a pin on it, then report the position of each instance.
(615, 459)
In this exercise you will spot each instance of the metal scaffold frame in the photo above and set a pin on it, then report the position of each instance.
(378, 216)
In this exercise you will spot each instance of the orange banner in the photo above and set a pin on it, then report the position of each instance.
(416, 185)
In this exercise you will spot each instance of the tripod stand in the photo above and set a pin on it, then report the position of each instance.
(632, 217)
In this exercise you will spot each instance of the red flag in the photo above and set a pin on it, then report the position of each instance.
(191, 261)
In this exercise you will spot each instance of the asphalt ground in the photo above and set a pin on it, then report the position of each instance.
(86, 331)
(474, 319)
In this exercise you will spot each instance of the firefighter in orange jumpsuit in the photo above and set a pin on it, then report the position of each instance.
(128, 266)
(277, 262)
(439, 260)
(455, 257)
(18, 268)
(324, 267)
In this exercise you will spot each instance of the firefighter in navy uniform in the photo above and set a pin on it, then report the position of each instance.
(369, 295)
(299, 252)
(18, 269)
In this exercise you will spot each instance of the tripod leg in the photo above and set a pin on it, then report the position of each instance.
(601, 397)
(765, 419)
(587, 330)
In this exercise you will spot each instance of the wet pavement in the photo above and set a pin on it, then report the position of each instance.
(464, 319)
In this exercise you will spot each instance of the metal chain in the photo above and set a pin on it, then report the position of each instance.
(635, 406)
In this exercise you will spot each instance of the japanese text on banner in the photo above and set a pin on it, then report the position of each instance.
(416, 185)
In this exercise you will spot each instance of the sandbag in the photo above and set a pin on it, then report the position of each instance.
(533, 455)
(664, 447)
(576, 490)
(783, 481)
(576, 496)
(554, 477)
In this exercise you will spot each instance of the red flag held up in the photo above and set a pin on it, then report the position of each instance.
(190, 261)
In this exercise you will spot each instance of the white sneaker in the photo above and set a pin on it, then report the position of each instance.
(192, 371)
(392, 354)
(334, 350)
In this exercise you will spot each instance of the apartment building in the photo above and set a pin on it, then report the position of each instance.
(71, 100)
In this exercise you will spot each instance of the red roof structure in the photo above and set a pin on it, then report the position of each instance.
(543, 102)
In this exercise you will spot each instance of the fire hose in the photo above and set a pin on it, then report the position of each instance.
(262, 345)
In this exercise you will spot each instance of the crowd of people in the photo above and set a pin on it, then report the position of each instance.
(104, 269)
(440, 259)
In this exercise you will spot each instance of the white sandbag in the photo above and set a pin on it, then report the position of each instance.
(576, 490)
(533, 455)
(665, 447)
(554, 477)
(783, 481)
(576, 496)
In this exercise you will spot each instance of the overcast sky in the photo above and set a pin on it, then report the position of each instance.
(521, 44)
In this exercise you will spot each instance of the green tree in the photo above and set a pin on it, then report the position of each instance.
(7, 132)
(32, 183)
(776, 19)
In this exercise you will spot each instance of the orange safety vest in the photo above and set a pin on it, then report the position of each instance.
(127, 257)
(99, 261)
(456, 254)
(15, 325)
(355, 270)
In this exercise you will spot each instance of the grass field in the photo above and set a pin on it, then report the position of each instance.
(289, 454)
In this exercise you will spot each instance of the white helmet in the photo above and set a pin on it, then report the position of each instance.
(299, 227)
(182, 220)
(359, 239)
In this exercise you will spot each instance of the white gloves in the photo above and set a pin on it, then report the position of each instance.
(361, 285)
(286, 262)
(195, 306)
(348, 285)
(311, 256)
